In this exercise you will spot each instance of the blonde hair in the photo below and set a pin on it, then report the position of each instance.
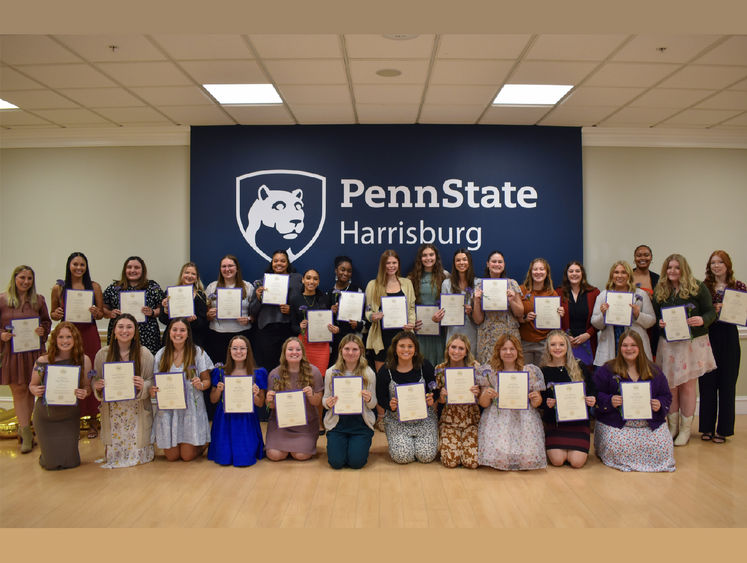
(628, 270)
(570, 364)
(14, 301)
(469, 359)
(361, 369)
(305, 375)
(689, 286)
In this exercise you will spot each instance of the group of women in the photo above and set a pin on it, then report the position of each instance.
(269, 343)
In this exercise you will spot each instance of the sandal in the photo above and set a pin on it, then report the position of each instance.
(706, 436)
(719, 439)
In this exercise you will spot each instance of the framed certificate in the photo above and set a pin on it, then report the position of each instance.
(458, 383)
(676, 323)
(60, 385)
(734, 307)
(348, 389)
(318, 329)
(570, 401)
(513, 390)
(229, 303)
(394, 308)
(636, 398)
(171, 393)
(494, 294)
(424, 313)
(275, 289)
(290, 407)
(453, 306)
(620, 312)
(238, 393)
(181, 302)
(25, 338)
(350, 306)
(132, 302)
(78, 303)
(118, 381)
(411, 403)
(546, 309)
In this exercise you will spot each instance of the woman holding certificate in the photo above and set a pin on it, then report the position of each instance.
(182, 433)
(577, 297)
(125, 376)
(566, 417)
(134, 293)
(510, 436)
(189, 301)
(24, 326)
(350, 397)
(79, 300)
(353, 302)
(405, 387)
(295, 390)
(542, 310)
(458, 391)
(59, 381)
(633, 399)
(619, 307)
(388, 285)
(685, 311)
(239, 386)
(462, 280)
(427, 276)
(497, 307)
(645, 279)
(718, 387)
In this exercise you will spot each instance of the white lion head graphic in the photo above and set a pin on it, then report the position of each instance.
(277, 209)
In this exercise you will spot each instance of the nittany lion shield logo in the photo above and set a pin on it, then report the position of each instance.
(281, 209)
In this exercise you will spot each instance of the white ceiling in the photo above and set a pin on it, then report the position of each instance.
(620, 80)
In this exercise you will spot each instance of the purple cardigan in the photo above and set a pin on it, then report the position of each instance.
(607, 384)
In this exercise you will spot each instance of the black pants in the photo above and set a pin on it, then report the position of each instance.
(718, 387)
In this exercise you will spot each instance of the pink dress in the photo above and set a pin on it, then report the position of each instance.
(16, 368)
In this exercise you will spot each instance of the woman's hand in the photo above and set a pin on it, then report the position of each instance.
(475, 390)
(333, 329)
(37, 390)
(153, 391)
(212, 313)
(197, 383)
(270, 398)
(285, 308)
(636, 310)
(467, 309)
(255, 388)
(393, 404)
(411, 326)
(6, 336)
(303, 324)
(662, 324)
(535, 399)
(309, 392)
(165, 304)
(580, 339)
(259, 291)
(147, 311)
(478, 293)
(377, 316)
(655, 405)
(114, 313)
(550, 402)
(604, 307)
(353, 324)
(138, 381)
(442, 395)
(243, 320)
(39, 330)
(81, 393)
(591, 401)
(718, 306)
(366, 394)
(334, 308)
(438, 316)
(429, 399)
(98, 384)
(57, 314)
(220, 386)
(617, 400)
(561, 312)
(695, 321)
(530, 316)
(331, 401)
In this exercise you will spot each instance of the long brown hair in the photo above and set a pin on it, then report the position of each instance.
(620, 367)
(496, 362)
(305, 375)
(565, 288)
(469, 275)
(231, 364)
(380, 286)
(113, 355)
(418, 271)
(529, 282)
(14, 301)
(239, 279)
(710, 279)
(124, 283)
(361, 369)
(167, 359)
(77, 354)
(391, 353)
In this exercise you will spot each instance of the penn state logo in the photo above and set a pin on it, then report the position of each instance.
(281, 209)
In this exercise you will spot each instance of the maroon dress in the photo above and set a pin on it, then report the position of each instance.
(16, 368)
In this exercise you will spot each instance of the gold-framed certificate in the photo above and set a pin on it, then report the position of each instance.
(494, 294)
(411, 403)
(424, 314)
(546, 309)
(181, 301)
(119, 382)
(290, 407)
(636, 397)
(25, 338)
(734, 307)
(513, 390)
(350, 306)
(453, 306)
(570, 401)
(394, 308)
(78, 303)
(459, 382)
(317, 329)
(275, 289)
(348, 389)
(676, 327)
(60, 384)
(132, 302)
(171, 393)
(238, 393)
(620, 312)
(229, 303)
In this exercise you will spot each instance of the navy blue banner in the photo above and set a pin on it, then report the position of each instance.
(320, 191)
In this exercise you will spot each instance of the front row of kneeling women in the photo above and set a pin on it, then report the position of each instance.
(501, 438)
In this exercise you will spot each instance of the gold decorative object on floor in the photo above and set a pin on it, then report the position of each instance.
(8, 423)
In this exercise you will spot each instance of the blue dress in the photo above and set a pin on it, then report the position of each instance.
(236, 438)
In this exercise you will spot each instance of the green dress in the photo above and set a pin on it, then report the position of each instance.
(431, 346)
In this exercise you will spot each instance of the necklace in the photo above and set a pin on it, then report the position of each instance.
(312, 302)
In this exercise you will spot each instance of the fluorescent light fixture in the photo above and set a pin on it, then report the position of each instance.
(531, 94)
(244, 94)
(6, 105)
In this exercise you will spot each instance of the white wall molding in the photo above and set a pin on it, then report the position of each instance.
(671, 138)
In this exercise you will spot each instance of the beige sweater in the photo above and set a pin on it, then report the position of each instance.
(374, 341)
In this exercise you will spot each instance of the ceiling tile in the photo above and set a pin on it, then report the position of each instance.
(698, 76)
(380, 47)
(323, 113)
(97, 48)
(378, 95)
(13, 80)
(453, 94)
(377, 113)
(37, 99)
(728, 99)
(513, 115)
(313, 71)
(481, 46)
(742, 85)
(413, 71)
(678, 48)
(470, 72)
(586, 96)
(17, 117)
(733, 51)
(573, 47)
(670, 98)
(133, 115)
(201, 47)
(313, 94)
(225, 72)
(536, 72)
(638, 117)
(102, 97)
(174, 95)
(739, 121)
(71, 116)
(448, 113)
(575, 116)
(701, 117)
(33, 49)
(630, 74)
(297, 46)
(197, 115)
(145, 74)
(67, 75)
(260, 115)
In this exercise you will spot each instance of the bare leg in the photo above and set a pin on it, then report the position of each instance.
(300, 456)
(557, 457)
(687, 396)
(276, 455)
(172, 454)
(577, 459)
(188, 452)
(23, 403)
(675, 407)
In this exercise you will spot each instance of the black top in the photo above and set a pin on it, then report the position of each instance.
(296, 301)
(578, 313)
(560, 375)
(386, 375)
(199, 326)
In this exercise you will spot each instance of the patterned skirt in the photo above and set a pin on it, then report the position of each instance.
(635, 447)
(568, 436)
(685, 360)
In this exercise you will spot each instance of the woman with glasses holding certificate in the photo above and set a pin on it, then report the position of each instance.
(125, 368)
(718, 387)
(633, 399)
(353, 323)
(458, 391)
(567, 428)
(619, 307)
(494, 315)
(189, 281)
(462, 280)
(79, 300)
(542, 309)
(134, 293)
(183, 433)
(510, 436)
(684, 352)
(59, 380)
(236, 436)
(427, 276)
(577, 297)
(295, 391)
(24, 326)
(350, 399)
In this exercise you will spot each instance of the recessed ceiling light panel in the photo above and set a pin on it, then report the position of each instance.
(7, 105)
(244, 94)
(531, 94)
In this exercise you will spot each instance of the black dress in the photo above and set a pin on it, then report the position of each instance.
(571, 435)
